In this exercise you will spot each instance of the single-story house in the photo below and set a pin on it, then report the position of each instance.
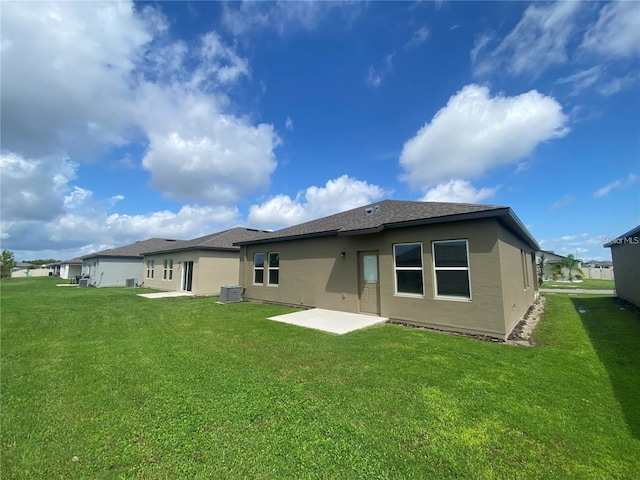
(605, 264)
(200, 266)
(625, 252)
(452, 266)
(113, 267)
(22, 269)
(71, 269)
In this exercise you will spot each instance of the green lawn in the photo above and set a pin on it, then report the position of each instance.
(587, 283)
(188, 388)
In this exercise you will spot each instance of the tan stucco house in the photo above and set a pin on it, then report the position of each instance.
(625, 253)
(200, 266)
(451, 266)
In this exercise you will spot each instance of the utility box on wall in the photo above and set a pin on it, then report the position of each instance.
(231, 294)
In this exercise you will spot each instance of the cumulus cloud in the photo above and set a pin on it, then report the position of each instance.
(340, 194)
(459, 191)
(537, 42)
(475, 132)
(33, 189)
(617, 31)
(65, 74)
(630, 180)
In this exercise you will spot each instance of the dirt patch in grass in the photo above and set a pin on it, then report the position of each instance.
(522, 332)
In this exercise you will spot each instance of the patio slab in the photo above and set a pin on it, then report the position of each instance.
(330, 320)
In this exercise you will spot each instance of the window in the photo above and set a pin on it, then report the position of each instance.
(167, 272)
(407, 259)
(274, 268)
(525, 269)
(451, 268)
(150, 268)
(258, 268)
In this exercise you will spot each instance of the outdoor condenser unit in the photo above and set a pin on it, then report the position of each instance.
(230, 294)
(83, 282)
(130, 283)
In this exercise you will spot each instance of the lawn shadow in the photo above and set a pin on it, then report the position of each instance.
(613, 327)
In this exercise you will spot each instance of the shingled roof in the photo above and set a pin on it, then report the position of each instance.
(387, 214)
(216, 241)
(133, 250)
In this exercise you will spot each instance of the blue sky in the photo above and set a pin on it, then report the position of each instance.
(125, 121)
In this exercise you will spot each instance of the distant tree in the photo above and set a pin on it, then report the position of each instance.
(40, 262)
(7, 263)
(541, 266)
(572, 264)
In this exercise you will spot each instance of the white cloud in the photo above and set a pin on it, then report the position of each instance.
(475, 132)
(283, 16)
(617, 31)
(376, 76)
(630, 180)
(288, 124)
(460, 191)
(86, 52)
(537, 42)
(419, 36)
(566, 200)
(616, 85)
(582, 80)
(33, 189)
(340, 194)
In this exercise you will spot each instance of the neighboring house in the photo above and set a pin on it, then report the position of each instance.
(598, 269)
(200, 266)
(550, 259)
(451, 266)
(113, 267)
(71, 269)
(22, 269)
(625, 252)
(598, 264)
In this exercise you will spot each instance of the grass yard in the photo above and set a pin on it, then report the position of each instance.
(587, 284)
(102, 384)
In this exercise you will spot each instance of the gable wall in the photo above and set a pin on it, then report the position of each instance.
(626, 261)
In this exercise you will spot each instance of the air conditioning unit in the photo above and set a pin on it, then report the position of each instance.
(130, 283)
(83, 282)
(231, 294)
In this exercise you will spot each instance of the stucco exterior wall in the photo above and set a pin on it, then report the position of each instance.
(112, 271)
(626, 261)
(70, 271)
(211, 270)
(518, 277)
(314, 274)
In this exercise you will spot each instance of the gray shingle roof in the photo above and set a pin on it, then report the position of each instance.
(73, 261)
(216, 241)
(133, 250)
(394, 214)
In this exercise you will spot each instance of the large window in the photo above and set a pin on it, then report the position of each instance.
(258, 268)
(525, 268)
(167, 271)
(150, 268)
(451, 267)
(274, 268)
(407, 260)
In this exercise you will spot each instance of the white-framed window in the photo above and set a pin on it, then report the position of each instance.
(150, 268)
(167, 271)
(274, 268)
(407, 263)
(525, 268)
(451, 269)
(258, 268)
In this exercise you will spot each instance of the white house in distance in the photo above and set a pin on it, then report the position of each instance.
(113, 267)
(70, 269)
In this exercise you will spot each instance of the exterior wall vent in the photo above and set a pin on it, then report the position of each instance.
(130, 283)
(83, 283)
(372, 210)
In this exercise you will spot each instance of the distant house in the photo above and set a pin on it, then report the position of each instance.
(625, 252)
(606, 264)
(113, 267)
(70, 269)
(451, 266)
(200, 266)
(22, 269)
(550, 260)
